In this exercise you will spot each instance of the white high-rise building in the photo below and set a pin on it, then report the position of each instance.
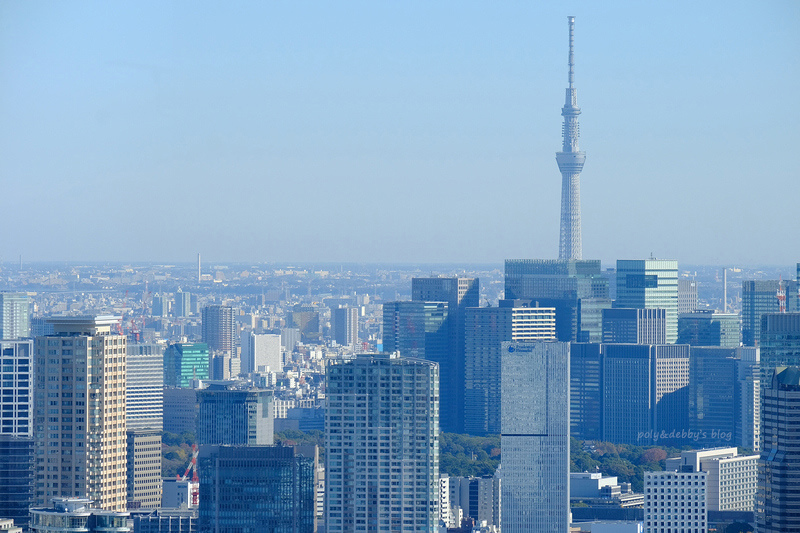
(80, 427)
(14, 315)
(382, 444)
(261, 353)
(675, 501)
(16, 415)
(535, 437)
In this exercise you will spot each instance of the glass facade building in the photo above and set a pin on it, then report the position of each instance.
(184, 362)
(234, 416)
(707, 328)
(577, 289)
(780, 343)
(650, 284)
(382, 444)
(586, 391)
(778, 497)
(535, 437)
(759, 298)
(257, 489)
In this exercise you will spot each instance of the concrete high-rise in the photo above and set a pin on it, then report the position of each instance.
(635, 326)
(535, 437)
(382, 444)
(14, 315)
(460, 294)
(261, 352)
(778, 497)
(344, 326)
(570, 162)
(650, 284)
(219, 328)
(486, 329)
(675, 501)
(145, 417)
(80, 427)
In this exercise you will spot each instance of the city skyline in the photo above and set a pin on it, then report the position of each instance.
(294, 125)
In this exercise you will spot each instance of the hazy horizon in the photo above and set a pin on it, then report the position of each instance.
(384, 133)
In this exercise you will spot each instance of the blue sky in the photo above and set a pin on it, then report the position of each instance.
(396, 131)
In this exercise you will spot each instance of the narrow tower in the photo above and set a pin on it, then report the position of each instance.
(570, 162)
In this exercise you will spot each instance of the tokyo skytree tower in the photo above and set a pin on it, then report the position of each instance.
(570, 162)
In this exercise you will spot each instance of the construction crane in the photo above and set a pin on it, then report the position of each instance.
(195, 485)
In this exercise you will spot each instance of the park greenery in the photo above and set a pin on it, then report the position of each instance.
(467, 455)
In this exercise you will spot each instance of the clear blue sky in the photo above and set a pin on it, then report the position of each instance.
(396, 131)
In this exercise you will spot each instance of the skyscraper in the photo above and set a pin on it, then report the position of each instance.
(570, 162)
(261, 352)
(258, 488)
(650, 284)
(759, 298)
(486, 329)
(382, 444)
(709, 328)
(635, 326)
(779, 342)
(17, 467)
(80, 412)
(233, 415)
(344, 323)
(645, 392)
(460, 294)
(219, 328)
(14, 315)
(184, 362)
(778, 497)
(577, 289)
(535, 437)
(586, 391)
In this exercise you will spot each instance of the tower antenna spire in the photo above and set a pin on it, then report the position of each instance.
(570, 162)
(571, 51)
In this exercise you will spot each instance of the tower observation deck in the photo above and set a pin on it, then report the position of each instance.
(570, 162)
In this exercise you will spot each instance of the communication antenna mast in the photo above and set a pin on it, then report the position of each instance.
(781, 296)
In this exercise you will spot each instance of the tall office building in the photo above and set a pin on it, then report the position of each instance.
(586, 391)
(635, 326)
(714, 398)
(486, 329)
(14, 316)
(183, 304)
(344, 325)
(180, 410)
(570, 162)
(578, 290)
(645, 393)
(80, 428)
(420, 329)
(261, 352)
(709, 328)
(233, 414)
(459, 294)
(382, 444)
(779, 342)
(185, 362)
(535, 437)
(17, 465)
(219, 328)
(258, 488)
(778, 497)
(145, 421)
(650, 284)
(160, 306)
(760, 298)
(687, 296)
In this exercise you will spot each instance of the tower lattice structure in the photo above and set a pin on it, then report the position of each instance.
(570, 162)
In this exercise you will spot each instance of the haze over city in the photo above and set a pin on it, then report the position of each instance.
(394, 132)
